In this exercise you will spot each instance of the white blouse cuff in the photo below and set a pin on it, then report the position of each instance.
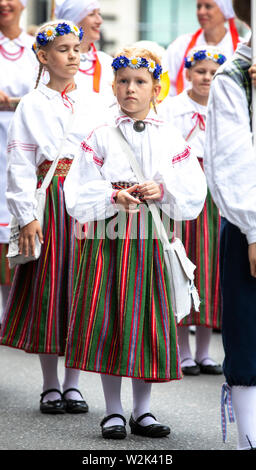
(251, 237)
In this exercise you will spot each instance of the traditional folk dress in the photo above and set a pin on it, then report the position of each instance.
(179, 48)
(37, 312)
(230, 168)
(122, 321)
(200, 236)
(18, 74)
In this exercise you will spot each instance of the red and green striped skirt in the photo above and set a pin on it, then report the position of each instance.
(122, 321)
(37, 314)
(5, 273)
(201, 241)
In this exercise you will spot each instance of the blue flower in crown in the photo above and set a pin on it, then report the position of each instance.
(144, 62)
(221, 59)
(119, 62)
(187, 63)
(200, 55)
(157, 72)
(63, 28)
(81, 34)
(42, 39)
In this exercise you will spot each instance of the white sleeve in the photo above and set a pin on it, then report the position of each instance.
(184, 184)
(88, 195)
(21, 168)
(230, 160)
(173, 60)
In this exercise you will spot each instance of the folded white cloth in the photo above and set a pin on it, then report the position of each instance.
(75, 10)
(226, 8)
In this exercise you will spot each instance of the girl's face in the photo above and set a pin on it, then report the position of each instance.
(201, 75)
(91, 26)
(209, 15)
(134, 90)
(61, 57)
(10, 11)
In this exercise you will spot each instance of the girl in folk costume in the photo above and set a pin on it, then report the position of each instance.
(188, 111)
(18, 69)
(212, 16)
(230, 168)
(122, 321)
(95, 70)
(37, 312)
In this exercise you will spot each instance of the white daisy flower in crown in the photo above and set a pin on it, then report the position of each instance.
(135, 62)
(50, 33)
(151, 65)
(75, 30)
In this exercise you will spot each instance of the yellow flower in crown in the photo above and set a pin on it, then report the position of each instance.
(50, 33)
(216, 56)
(151, 65)
(135, 62)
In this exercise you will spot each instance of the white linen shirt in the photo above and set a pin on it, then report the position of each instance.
(182, 111)
(17, 77)
(35, 135)
(163, 156)
(176, 50)
(230, 160)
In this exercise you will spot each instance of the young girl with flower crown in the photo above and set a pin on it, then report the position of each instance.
(37, 313)
(188, 111)
(122, 323)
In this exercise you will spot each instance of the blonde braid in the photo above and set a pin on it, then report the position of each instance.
(39, 74)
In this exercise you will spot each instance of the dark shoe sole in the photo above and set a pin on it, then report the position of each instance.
(114, 432)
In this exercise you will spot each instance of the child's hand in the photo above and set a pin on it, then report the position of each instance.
(126, 200)
(252, 258)
(150, 190)
(252, 72)
(4, 98)
(27, 238)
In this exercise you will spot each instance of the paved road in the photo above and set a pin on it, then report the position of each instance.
(190, 406)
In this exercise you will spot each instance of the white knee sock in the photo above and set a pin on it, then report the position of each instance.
(4, 292)
(112, 392)
(141, 401)
(49, 365)
(244, 404)
(203, 338)
(185, 351)
(71, 380)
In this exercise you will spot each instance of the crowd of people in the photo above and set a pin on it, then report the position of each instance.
(99, 293)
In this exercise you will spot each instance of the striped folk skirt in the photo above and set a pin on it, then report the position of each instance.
(37, 314)
(122, 321)
(5, 273)
(201, 240)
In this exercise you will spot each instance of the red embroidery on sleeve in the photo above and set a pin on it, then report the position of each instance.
(181, 156)
(87, 148)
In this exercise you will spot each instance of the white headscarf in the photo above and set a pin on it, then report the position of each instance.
(226, 8)
(24, 2)
(75, 10)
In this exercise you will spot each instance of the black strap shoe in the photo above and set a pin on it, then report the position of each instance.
(52, 406)
(152, 430)
(75, 406)
(113, 432)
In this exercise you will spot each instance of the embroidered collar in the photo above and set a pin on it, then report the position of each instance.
(21, 40)
(152, 118)
(52, 94)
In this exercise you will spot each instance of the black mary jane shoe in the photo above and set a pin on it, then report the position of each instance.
(113, 432)
(75, 406)
(152, 430)
(52, 406)
(190, 370)
(210, 369)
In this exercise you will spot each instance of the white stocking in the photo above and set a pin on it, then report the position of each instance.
(244, 404)
(49, 365)
(71, 381)
(141, 401)
(112, 392)
(184, 347)
(203, 338)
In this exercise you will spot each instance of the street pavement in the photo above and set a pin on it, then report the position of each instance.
(191, 407)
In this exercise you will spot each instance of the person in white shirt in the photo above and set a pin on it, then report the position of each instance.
(230, 167)
(37, 313)
(122, 301)
(18, 68)
(188, 111)
(212, 16)
(95, 72)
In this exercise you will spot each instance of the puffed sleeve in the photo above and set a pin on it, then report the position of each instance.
(184, 182)
(21, 167)
(173, 58)
(88, 195)
(230, 161)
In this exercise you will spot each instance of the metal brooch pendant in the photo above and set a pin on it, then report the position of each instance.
(139, 126)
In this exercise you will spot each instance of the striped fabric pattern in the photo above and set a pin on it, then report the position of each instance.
(37, 314)
(121, 321)
(5, 273)
(201, 241)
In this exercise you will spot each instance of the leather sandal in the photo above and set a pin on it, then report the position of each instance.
(75, 406)
(152, 430)
(113, 432)
(52, 406)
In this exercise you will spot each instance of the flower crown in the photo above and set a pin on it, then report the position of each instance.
(51, 32)
(136, 63)
(202, 55)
